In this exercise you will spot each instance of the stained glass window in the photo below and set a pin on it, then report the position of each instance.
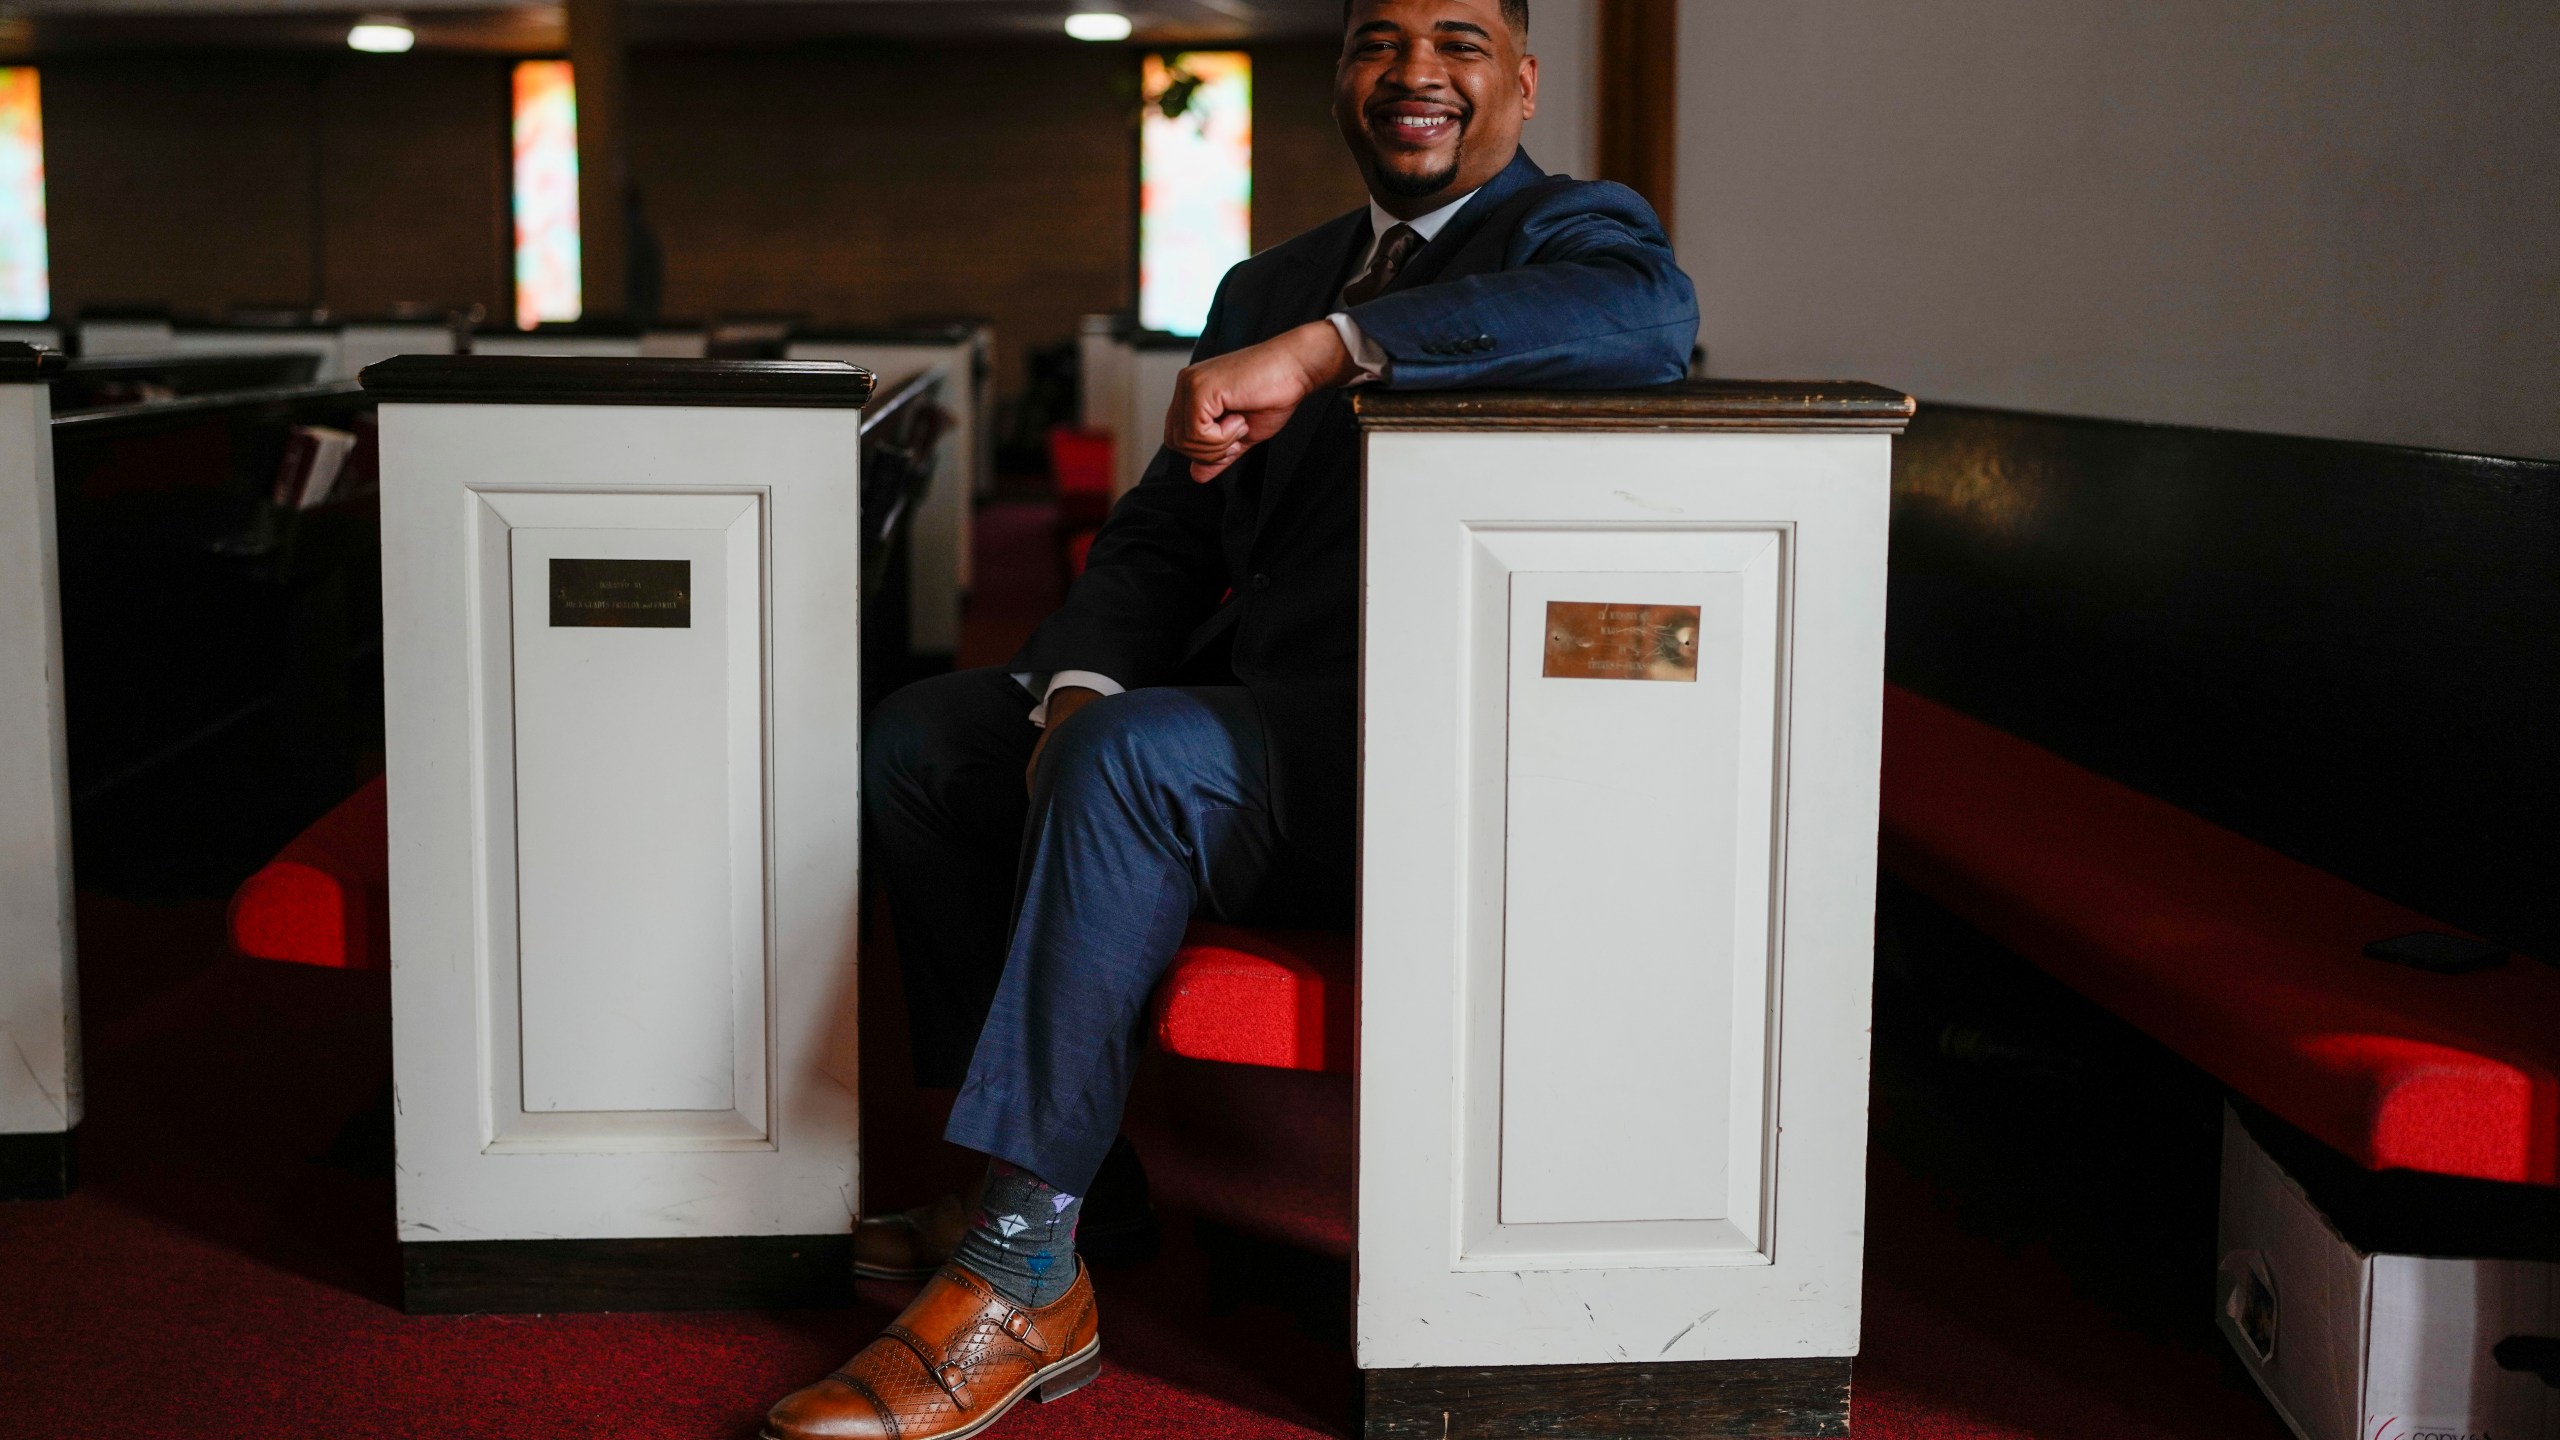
(1195, 183)
(546, 134)
(26, 286)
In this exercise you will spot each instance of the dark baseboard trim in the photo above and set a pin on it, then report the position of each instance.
(1804, 1396)
(711, 1272)
(41, 1166)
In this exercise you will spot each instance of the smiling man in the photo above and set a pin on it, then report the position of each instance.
(1178, 740)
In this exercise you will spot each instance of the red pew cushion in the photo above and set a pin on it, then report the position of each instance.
(1080, 461)
(2245, 962)
(325, 900)
(1280, 998)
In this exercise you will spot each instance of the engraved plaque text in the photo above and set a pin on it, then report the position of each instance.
(643, 594)
(1597, 640)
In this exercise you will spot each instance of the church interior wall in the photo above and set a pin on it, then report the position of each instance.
(2323, 220)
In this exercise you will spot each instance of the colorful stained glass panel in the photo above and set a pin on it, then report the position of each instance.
(546, 134)
(1195, 183)
(26, 284)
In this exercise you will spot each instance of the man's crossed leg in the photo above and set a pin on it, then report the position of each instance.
(1032, 929)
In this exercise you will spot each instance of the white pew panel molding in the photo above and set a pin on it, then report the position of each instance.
(622, 650)
(1622, 669)
(40, 1095)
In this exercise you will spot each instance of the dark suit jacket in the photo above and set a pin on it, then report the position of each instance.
(1539, 281)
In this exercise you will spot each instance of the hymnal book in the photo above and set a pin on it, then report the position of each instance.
(313, 457)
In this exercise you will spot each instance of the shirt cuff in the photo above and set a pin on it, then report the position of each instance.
(1365, 352)
(1045, 686)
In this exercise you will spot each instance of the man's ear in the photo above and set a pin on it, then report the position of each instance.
(1528, 86)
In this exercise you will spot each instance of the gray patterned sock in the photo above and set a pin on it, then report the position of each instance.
(1023, 1239)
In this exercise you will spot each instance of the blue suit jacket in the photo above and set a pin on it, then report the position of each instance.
(1540, 281)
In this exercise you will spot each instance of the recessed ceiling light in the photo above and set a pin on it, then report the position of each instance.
(1098, 25)
(381, 35)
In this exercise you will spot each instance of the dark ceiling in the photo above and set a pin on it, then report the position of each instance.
(73, 26)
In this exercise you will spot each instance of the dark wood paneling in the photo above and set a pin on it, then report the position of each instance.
(597, 60)
(185, 179)
(1682, 405)
(855, 183)
(1636, 1401)
(864, 185)
(416, 184)
(43, 1166)
(1639, 82)
(2346, 652)
(722, 1272)
(209, 180)
(1302, 173)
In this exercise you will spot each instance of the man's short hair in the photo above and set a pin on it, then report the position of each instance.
(1515, 13)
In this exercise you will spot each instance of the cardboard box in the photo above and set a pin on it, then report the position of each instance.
(2388, 1307)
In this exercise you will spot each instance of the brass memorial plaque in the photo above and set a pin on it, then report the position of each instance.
(1589, 640)
(641, 594)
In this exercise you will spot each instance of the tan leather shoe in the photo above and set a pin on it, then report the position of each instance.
(910, 1244)
(952, 1363)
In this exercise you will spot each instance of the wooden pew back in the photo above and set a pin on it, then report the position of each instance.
(2342, 651)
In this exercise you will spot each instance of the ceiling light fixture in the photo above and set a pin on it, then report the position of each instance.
(381, 35)
(1098, 25)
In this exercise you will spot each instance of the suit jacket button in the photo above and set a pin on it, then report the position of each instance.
(1261, 582)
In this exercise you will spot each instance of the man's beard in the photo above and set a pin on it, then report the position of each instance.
(1416, 187)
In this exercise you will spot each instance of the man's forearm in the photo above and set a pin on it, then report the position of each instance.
(1230, 403)
(1622, 318)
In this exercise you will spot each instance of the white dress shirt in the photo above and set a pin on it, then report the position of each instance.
(1365, 353)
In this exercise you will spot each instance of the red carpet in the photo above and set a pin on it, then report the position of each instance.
(221, 1274)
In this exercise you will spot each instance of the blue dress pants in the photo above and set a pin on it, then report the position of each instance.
(1033, 926)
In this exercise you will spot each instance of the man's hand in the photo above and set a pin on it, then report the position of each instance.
(1224, 406)
(1064, 701)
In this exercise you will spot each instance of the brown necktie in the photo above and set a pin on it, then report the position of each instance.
(1401, 242)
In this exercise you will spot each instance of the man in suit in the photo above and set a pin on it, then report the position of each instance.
(1184, 726)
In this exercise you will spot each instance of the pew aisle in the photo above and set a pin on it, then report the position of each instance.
(227, 1267)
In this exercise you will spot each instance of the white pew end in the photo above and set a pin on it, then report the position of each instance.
(1622, 673)
(621, 660)
(40, 1092)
